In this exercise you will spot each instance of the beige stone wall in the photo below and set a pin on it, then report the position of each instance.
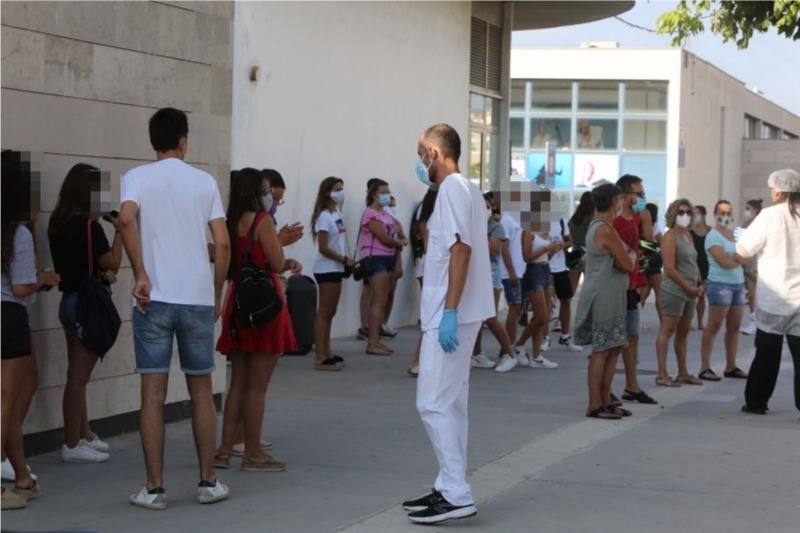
(759, 159)
(79, 82)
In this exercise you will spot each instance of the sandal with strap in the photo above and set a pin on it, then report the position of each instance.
(640, 397)
(222, 460)
(611, 408)
(709, 375)
(378, 348)
(329, 364)
(689, 379)
(615, 401)
(603, 413)
(736, 373)
(339, 359)
(662, 381)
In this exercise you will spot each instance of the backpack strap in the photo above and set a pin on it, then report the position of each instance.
(250, 235)
(90, 248)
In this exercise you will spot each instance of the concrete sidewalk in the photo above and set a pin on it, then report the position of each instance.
(356, 448)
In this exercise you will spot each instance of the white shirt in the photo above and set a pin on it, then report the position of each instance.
(537, 244)
(774, 239)
(459, 213)
(330, 223)
(514, 234)
(558, 263)
(176, 202)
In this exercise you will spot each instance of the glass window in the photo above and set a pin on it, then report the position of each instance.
(600, 96)
(750, 127)
(644, 135)
(551, 95)
(475, 157)
(788, 136)
(476, 108)
(517, 132)
(492, 111)
(770, 132)
(490, 157)
(518, 95)
(597, 134)
(555, 130)
(645, 97)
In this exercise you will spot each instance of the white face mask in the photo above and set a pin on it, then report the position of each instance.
(724, 220)
(683, 220)
(267, 201)
(699, 219)
(337, 196)
(748, 214)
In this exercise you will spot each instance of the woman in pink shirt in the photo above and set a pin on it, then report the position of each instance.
(379, 243)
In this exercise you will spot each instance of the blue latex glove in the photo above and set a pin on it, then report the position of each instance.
(448, 330)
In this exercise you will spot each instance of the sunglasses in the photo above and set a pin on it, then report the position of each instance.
(683, 212)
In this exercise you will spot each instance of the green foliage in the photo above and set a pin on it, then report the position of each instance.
(733, 20)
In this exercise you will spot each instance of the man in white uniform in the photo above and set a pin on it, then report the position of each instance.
(457, 258)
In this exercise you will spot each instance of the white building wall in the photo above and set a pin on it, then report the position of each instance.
(345, 89)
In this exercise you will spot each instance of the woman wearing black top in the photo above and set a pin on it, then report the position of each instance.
(699, 231)
(70, 224)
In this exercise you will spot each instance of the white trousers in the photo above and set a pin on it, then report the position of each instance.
(442, 396)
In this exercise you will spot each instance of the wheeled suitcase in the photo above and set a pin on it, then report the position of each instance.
(301, 298)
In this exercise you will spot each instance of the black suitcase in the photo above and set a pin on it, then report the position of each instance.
(301, 298)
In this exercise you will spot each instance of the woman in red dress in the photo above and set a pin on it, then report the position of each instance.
(253, 352)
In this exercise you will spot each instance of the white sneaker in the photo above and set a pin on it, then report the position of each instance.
(10, 475)
(522, 356)
(565, 343)
(82, 453)
(97, 443)
(482, 361)
(545, 343)
(506, 364)
(212, 494)
(543, 362)
(156, 500)
(749, 329)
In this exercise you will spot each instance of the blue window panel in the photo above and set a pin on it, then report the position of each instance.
(652, 168)
(563, 177)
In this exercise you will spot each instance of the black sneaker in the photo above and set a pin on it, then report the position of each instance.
(754, 410)
(420, 504)
(441, 512)
(363, 334)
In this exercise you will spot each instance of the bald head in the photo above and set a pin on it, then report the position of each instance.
(444, 138)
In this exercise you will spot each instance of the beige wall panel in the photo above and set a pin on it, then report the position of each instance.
(23, 59)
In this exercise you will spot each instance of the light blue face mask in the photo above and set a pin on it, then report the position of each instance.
(384, 199)
(640, 204)
(422, 172)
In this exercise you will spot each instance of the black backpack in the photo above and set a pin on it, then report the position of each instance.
(98, 321)
(256, 301)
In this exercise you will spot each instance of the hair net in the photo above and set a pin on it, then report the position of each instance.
(786, 180)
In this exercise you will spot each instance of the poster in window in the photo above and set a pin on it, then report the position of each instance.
(591, 168)
(517, 166)
(562, 170)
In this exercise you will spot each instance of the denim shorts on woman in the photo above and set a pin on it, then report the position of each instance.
(725, 294)
(536, 278)
(381, 264)
(153, 331)
(513, 293)
(497, 283)
(68, 311)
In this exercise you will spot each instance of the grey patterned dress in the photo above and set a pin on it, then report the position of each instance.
(602, 305)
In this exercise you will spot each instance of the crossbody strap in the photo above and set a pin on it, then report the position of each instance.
(90, 247)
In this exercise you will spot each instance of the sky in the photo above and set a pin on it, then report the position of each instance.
(771, 62)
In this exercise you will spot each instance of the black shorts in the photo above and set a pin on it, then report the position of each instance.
(329, 277)
(16, 332)
(562, 285)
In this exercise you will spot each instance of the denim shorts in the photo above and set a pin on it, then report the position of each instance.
(497, 283)
(382, 264)
(536, 278)
(725, 294)
(68, 311)
(513, 293)
(192, 325)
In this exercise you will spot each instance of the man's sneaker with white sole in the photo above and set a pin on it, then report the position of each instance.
(565, 343)
(212, 493)
(543, 362)
(506, 364)
(482, 361)
(82, 453)
(97, 443)
(155, 499)
(521, 353)
(441, 512)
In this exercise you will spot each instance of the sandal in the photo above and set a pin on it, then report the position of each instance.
(378, 348)
(689, 379)
(709, 375)
(640, 397)
(222, 460)
(662, 381)
(615, 401)
(735, 373)
(413, 371)
(611, 408)
(30, 493)
(338, 359)
(603, 413)
(266, 464)
(328, 364)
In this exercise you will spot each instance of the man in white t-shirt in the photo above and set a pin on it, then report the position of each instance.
(512, 268)
(167, 207)
(456, 298)
(562, 286)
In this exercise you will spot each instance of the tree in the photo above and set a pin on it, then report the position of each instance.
(733, 20)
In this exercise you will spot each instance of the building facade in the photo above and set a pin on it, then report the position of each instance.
(663, 114)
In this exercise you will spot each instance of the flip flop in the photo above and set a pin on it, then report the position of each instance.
(736, 373)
